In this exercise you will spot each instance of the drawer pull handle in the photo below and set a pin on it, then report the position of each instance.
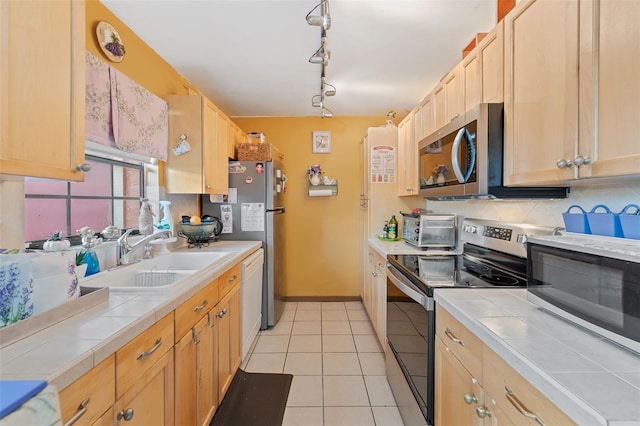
(201, 307)
(232, 278)
(453, 337)
(150, 351)
(126, 414)
(82, 408)
(513, 399)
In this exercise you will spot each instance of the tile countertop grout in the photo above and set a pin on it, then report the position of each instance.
(76, 363)
(467, 305)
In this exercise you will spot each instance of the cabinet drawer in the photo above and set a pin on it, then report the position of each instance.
(229, 279)
(464, 344)
(194, 309)
(133, 359)
(91, 395)
(523, 396)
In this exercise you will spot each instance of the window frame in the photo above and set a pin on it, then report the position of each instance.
(68, 197)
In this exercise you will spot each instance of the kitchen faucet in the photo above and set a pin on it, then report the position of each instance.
(126, 250)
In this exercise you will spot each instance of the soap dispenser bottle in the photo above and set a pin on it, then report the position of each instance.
(166, 223)
(88, 254)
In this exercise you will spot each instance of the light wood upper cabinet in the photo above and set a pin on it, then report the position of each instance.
(42, 85)
(491, 54)
(541, 97)
(440, 105)
(407, 164)
(454, 88)
(428, 120)
(203, 170)
(571, 99)
(609, 88)
(471, 77)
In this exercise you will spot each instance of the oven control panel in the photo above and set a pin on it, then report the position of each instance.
(498, 233)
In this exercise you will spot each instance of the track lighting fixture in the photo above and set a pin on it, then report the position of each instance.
(322, 56)
(324, 19)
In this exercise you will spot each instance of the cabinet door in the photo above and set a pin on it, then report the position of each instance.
(491, 52)
(214, 150)
(87, 398)
(454, 87)
(150, 401)
(186, 376)
(235, 328)
(609, 63)
(454, 386)
(440, 106)
(407, 170)
(428, 125)
(380, 299)
(541, 83)
(42, 87)
(223, 326)
(471, 79)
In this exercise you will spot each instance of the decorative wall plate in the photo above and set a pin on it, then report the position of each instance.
(110, 42)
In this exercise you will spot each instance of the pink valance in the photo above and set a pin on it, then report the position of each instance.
(124, 115)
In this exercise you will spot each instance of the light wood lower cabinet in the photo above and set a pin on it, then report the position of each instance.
(149, 401)
(475, 386)
(90, 398)
(228, 321)
(374, 296)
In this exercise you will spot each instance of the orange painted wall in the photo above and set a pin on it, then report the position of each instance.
(321, 233)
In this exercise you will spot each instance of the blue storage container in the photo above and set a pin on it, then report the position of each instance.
(606, 223)
(630, 222)
(576, 222)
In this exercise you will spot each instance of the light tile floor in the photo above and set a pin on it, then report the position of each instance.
(337, 365)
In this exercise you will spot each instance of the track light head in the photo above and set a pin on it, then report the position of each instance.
(326, 113)
(317, 101)
(324, 19)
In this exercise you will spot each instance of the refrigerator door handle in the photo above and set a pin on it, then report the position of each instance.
(279, 210)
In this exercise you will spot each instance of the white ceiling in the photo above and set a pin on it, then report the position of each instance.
(251, 57)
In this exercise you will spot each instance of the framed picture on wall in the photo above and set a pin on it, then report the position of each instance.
(321, 142)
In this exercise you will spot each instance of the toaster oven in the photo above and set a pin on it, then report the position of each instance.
(429, 230)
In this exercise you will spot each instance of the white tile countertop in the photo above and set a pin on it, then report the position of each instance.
(594, 381)
(397, 247)
(66, 350)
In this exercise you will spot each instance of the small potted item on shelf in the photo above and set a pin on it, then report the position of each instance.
(314, 173)
(56, 242)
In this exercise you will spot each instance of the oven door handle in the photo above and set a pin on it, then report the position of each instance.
(409, 289)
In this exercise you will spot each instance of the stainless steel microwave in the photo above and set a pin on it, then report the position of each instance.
(592, 281)
(464, 159)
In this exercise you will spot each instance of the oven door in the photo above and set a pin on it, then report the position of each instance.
(409, 352)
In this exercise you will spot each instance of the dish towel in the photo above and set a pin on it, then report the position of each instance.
(41, 409)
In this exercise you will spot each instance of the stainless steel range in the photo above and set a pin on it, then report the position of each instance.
(493, 255)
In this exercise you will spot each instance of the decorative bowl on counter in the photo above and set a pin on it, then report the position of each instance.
(201, 233)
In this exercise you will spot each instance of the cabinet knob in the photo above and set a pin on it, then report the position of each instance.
(85, 167)
(125, 414)
(580, 160)
(208, 186)
(469, 398)
(483, 412)
(563, 164)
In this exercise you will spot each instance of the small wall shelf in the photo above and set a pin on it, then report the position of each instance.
(322, 190)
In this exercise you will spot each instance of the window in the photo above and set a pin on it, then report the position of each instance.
(110, 194)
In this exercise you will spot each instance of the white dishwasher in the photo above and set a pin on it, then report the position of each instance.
(251, 299)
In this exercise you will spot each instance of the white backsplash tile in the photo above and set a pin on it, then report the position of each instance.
(543, 212)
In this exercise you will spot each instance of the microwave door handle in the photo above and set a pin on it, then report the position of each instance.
(455, 152)
(455, 159)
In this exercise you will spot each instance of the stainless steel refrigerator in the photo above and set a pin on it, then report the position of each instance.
(254, 210)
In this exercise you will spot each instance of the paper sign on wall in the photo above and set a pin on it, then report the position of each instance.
(252, 217)
(226, 217)
(383, 164)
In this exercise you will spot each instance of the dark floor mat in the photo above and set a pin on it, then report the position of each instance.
(254, 399)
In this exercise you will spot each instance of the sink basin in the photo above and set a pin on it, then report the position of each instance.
(148, 279)
(181, 261)
(165, 272)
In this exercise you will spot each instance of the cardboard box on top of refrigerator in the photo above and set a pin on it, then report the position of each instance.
(256, 137)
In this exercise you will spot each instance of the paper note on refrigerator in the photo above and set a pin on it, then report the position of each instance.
(252, 217)
(226, 217)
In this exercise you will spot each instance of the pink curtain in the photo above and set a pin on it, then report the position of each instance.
(122, 114)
